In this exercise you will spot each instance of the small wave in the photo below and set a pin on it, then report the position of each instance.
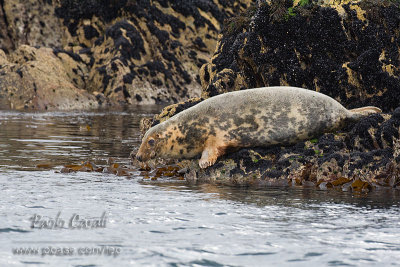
(8, 230)
(256, 254)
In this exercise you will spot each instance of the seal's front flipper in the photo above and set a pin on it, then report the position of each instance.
(208, 157)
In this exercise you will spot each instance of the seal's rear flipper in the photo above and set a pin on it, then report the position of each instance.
(359, 113)
(366, 110)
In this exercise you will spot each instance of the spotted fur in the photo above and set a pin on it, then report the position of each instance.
(255, 117)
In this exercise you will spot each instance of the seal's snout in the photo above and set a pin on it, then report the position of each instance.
(132, 155)
(139, 157)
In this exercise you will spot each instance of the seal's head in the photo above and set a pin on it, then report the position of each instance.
(152, 143)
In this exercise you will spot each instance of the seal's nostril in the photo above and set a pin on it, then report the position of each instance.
(139, 158)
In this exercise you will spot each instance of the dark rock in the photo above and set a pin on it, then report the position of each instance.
(350, 56)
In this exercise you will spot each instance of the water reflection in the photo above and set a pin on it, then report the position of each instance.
(292, 196)
(59, 138)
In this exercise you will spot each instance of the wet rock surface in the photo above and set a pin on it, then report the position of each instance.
(348, 51)
(120, 52)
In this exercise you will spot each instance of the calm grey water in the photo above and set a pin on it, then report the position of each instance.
(167, 223)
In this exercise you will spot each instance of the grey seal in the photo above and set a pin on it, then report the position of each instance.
(247, 118)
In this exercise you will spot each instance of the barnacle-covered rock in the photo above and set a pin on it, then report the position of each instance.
(345, 49)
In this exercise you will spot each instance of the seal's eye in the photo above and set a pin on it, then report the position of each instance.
(151, 142)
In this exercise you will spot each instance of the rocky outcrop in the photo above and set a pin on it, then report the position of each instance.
(349, 51)
(29, 22)
(152, 50)
(37, 78)
(128, 52)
